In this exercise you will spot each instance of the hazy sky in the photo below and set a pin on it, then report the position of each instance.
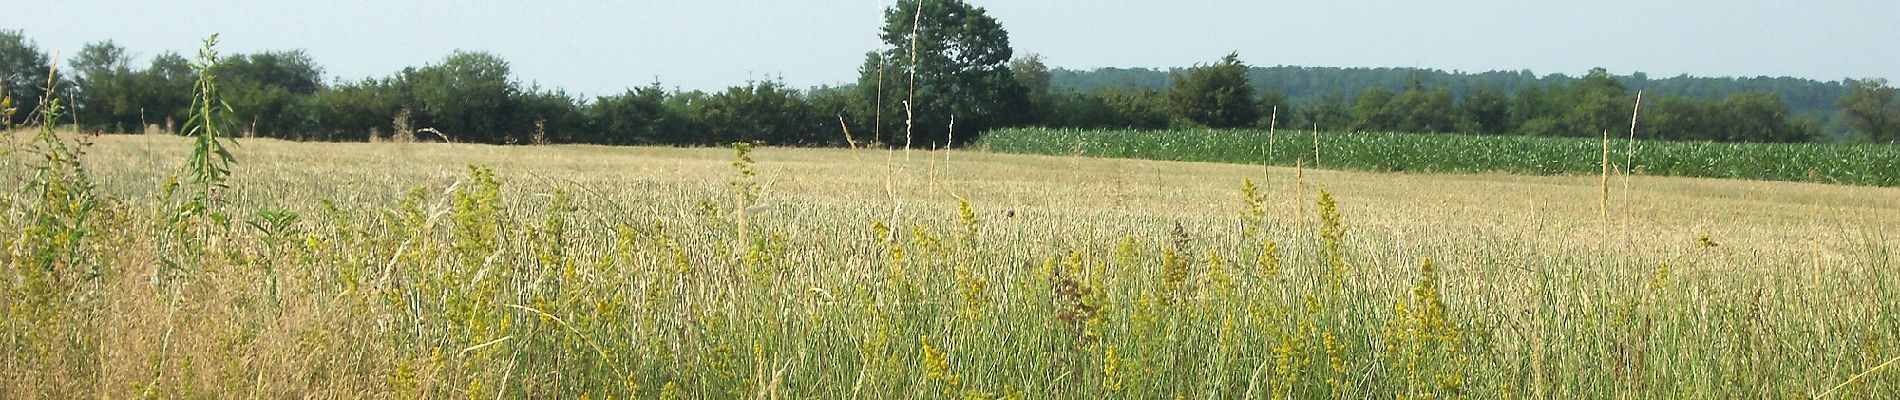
(603, 47)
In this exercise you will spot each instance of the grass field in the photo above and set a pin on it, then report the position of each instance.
(400, 271)
(1855, 164)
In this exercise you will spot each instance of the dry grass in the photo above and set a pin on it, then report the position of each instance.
(1798, 253)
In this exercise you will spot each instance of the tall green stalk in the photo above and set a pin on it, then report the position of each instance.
(209, 123)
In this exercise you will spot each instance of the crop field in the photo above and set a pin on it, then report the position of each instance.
(429, 270)
(1876, 165)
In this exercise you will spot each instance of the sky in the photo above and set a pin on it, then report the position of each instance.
(597, 47)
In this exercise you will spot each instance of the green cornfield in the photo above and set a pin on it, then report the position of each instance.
(1875, 165)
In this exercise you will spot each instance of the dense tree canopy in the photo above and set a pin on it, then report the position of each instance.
(1216, 95)
(25, 70)
(950, 61)
(469, 94)
(1871, 110)
(963, 70)
(108, 93)
(759, 111)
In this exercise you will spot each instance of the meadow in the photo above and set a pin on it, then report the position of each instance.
(1853, 164)
(431, 270)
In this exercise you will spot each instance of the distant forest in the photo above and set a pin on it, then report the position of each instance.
(1310, 86)
(967, 80)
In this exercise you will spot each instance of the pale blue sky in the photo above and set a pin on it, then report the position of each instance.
(601, 47)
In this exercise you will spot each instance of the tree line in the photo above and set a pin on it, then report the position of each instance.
(1493, 103)
(945, 74)
(1310, 84)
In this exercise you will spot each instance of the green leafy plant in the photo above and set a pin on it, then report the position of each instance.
(209, 125)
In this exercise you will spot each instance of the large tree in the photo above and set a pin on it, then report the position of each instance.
(1598, 103)
(1033, 75)
(1216, 95)
(353, 110)
(638, 116)
(1869, 108)
(269, 91)
(759, 111)
(166, 86)
(108, 95)
(950, 61)
(469, 97)
(23, 70)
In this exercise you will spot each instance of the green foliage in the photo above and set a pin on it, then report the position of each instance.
(1402, 100)
(1484, 111)
(26, 74)
(468, 96)
(1875, 165)
(1374, 110)
(1136, 109)
(54, 259)
(166, 85)
(1871, 110)
(639, 116)
(109, 91)
(354, 110)
(1310, 85)
(1033, 75)
(947, 60)
(209, 125)
(548, 117)
(1216, 95)
(763, 111)
(270, 92)
(471, 97)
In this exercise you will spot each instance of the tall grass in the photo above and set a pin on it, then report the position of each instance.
(1874, 165)
(479, 286)
(504, 281)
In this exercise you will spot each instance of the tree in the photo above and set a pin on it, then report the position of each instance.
(106, 92)
(1372, 111)
(23, 73)
(548, 116)
(1330, 114)
(759, 111)
(355, 110)
(1533, 111)
(1762, 117)
(468, 96)
(639, 116)
(1274, 103)
(1135, 109)
(166, 90)
(1869, 108)
(1598, 103)
(293, 70)
(1484, 111)
(1071, 109)
(270, 93)
(1216, 95)
(1422, 110)
(949, 60)
(1033, 75)
(1680, 118)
